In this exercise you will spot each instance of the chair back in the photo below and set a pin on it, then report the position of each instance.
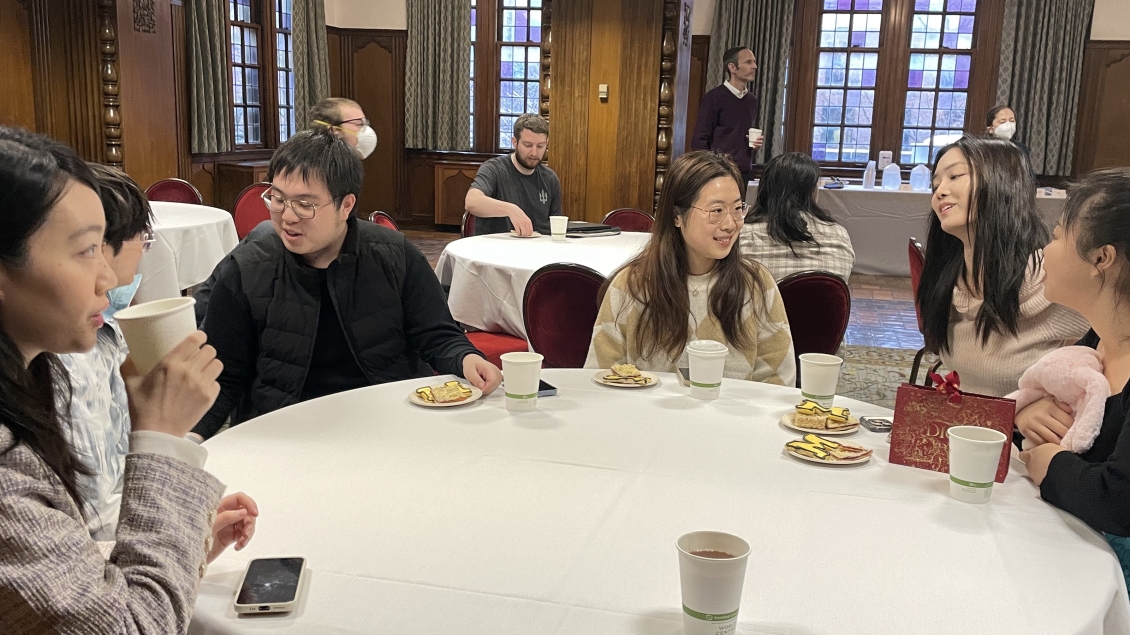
(384, 219)
(249, 209)
(818, 304)
(559, 310)
(917, 257)
(629, 220)
(467, 227)
(174, 191)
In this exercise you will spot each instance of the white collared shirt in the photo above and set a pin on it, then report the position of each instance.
(737, 93)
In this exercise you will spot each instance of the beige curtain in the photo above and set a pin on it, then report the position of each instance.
(1041, 66)
(766, 27)
(311, 58)
(209, 99)
(438, 75)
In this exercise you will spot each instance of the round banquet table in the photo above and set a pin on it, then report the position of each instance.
(471, 520)
(488, 274)
(191, 241)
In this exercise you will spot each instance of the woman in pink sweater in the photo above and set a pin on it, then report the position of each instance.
(982, 291)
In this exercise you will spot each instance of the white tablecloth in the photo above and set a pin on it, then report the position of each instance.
(473, 521)
(191, 241)
(488, 274)
(880, 222)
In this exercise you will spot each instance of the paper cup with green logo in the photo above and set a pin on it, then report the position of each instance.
(707, 361)
(711, 582)
(521, 373)
(975, 453)
(153, 329)
(819, 375)
(558, 226)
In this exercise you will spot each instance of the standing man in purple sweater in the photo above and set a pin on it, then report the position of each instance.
(728, 112)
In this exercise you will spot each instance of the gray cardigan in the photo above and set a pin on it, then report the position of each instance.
(54, 578)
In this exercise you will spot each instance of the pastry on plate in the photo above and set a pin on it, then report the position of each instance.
(450, 392)
(821, 449)
(840, 419)
(626, 374)
(811, 415)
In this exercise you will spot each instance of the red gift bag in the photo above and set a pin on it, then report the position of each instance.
(923, 415)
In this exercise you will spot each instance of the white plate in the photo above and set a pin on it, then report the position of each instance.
(475, 395)
(514, 234)
(599, 378)
(787, 421)
(810, 459)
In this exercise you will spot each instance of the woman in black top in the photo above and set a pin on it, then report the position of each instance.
(1088, 269)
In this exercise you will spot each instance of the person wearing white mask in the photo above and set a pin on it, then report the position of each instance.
(1001, 123)
(348, 121)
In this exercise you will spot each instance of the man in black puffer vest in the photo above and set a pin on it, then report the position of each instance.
(325, 303)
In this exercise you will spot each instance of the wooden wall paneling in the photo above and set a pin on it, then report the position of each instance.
(1101, 137)
(154, 119)
(985, 65)
(203, 176)
(605, 133)
(17, 99)
(111, 91)
(421, 199)
(180, 89)
(333, 48)
(697, 82)
(452, 180)
(641, 97)
(369, 68)
(682, 77)
(569, 103)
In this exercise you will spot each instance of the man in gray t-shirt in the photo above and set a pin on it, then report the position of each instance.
(515, 191)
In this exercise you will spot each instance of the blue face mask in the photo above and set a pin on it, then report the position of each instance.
(120, 297)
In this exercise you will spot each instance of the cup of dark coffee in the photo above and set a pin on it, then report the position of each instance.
(712, 573)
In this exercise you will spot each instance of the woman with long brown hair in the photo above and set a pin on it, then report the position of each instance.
(691, 282)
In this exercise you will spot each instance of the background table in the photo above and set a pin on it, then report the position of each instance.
(473, 521)
(488, 274)
(880, 222)
(191, 241)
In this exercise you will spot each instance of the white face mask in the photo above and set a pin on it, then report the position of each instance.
(1005, 131)
(366, 142)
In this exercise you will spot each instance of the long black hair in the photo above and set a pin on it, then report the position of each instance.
(35, 171)
(1097, 211)
(1006, 232)
(787, 192)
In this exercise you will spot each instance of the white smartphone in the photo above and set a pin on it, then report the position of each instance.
(271, 585)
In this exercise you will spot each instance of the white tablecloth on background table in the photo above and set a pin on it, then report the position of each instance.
(191, 241)
(473, 521)
(488, 274)
(880, 222)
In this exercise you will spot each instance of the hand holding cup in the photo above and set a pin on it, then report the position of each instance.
(179, 390)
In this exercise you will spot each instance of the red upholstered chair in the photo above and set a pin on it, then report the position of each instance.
(249, 209)
(384, 219)
(629, 220)
(493, 345)
(917, 256)
(559, 309)
(818, 304)
(174, 191)
(467, 227)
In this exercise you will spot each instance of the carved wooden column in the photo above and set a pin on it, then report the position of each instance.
(111, 113)
(674, 71)
(546, 55)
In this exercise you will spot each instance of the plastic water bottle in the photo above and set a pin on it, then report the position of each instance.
(892, 177)
(869, 176)
(920, 178)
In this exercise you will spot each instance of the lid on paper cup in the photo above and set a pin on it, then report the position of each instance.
(707, 348)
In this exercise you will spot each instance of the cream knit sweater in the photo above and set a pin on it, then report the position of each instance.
(770, 360)
(995, 368)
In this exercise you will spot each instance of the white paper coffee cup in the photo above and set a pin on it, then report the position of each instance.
(154, 328)
(754, 134)
(521, 373)
(975, 454)
(707, 361)
(712, 586)
(819, 376)
(558, 226)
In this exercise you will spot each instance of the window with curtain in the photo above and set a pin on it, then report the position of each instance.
(908, 76)
(261, 68)
(505, 58)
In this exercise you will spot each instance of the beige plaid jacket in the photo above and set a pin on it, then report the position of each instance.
(832, 253)
(54, 578)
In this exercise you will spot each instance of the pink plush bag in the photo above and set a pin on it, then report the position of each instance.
(1074, 376)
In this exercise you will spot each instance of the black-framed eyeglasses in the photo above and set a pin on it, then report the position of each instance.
(302, 209)
(715, 215)
(361, 121)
